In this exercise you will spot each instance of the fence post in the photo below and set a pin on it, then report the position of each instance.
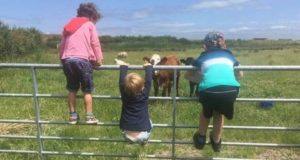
(174, 113)
(37, 113)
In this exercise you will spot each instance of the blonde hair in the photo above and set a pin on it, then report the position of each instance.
(134, 84)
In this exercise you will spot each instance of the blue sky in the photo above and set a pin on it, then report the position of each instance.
(190, 19)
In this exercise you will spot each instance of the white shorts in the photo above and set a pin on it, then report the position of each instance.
(141, 138)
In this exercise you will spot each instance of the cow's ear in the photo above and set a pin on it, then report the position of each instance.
(146, 59)
(183, 61)
(179, 62)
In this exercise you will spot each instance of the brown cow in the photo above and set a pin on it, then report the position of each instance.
(165, 78)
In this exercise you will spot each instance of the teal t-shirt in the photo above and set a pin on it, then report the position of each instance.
(217, 68)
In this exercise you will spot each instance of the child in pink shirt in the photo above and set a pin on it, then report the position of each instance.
(79, 52)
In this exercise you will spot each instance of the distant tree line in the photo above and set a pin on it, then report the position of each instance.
(169, 43)
(137, 43)
(141, 43)
(256, 45)
(19, 40)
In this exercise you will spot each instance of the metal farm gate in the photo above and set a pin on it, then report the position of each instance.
(38, 122)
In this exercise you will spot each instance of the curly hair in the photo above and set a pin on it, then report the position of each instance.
(214, 40)
(90, 11)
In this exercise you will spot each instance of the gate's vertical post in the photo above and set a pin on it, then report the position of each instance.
(174, 113)
(37, 113)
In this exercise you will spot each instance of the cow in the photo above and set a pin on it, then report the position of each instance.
(120, 62)
(155, 59)
(164, 78)
(193, 76)
(122, 55)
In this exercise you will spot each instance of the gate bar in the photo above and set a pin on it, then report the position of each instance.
(162, 67)
(151, 97)
(159, 125)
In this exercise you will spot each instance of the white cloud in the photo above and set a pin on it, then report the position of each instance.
(140, 14)
(239, 29)
(173, 25)
(115, 31)
(217, 4)
(279, 27)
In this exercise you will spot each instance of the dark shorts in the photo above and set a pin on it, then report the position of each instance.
(79, 73)
(219, 99)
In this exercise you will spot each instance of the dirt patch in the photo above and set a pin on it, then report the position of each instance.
(280, 154)
(8, 128)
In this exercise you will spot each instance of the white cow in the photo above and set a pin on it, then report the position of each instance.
(155, 59)
(120, 62)
(122, 55)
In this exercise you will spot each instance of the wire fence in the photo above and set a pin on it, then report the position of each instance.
(38, 122)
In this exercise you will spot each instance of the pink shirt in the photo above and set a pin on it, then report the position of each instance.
(83, 43)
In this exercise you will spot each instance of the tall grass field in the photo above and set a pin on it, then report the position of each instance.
(255, 84)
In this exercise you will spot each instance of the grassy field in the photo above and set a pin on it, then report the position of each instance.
(255, 84)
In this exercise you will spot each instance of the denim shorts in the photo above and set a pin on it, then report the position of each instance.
(79, 73)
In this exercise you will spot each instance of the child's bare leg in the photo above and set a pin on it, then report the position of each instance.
(203, 124)
(72, 101)
(88, 102)
(218, 124)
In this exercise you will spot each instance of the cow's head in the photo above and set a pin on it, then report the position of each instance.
(187, 61)
(154, 60)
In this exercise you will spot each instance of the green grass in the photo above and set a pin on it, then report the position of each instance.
(271, 84)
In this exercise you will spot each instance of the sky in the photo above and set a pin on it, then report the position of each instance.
(191, 19)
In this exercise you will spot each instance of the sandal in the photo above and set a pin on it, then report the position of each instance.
(199, 140)
(215, 146)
